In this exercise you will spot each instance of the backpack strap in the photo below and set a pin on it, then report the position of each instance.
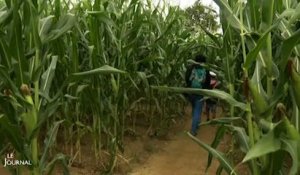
(188, 75)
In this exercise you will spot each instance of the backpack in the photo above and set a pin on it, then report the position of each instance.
(193, 75)
(191, 79)
(198, 77)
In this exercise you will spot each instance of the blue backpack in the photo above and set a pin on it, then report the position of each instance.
(195, 76)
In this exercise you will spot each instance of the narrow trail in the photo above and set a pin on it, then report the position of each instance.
(178, 155)
(181, 155)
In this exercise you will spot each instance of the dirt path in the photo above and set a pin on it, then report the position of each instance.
(181, 155)
(178, 155)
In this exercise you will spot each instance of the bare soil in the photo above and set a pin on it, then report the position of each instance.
(3, 171)
(180, 155)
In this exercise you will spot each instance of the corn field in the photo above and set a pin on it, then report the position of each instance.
(259, 52)
(69, 69)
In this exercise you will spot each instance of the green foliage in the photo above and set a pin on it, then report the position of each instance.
(259, 68)
(263, 69)
(91, 64)
(86, 63)
(199, 16)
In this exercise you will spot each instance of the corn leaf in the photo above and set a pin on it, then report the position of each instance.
(13, 133)
(102, 17)
(211, 93)
(287, 48)
(101, 70)
(49, 141)
(61, 27)
(232, 19)
(292, 147)
(17, 50)
(267, 144)
(48, 76)
(51, 165)
(212, 36)
(239, 132)
(254, 13)
(222, 120)
(267, 12)
(251, 56)
(241, 136)
(296, 15)
(5, 16)
(218, 138)
(45, 27)
(226, 164)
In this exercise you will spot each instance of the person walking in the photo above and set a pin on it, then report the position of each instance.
(195, 78)
(211, 104)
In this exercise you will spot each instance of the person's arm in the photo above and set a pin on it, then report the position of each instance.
(188, 75)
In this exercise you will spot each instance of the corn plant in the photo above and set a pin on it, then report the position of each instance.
(261, 67)
(28, 66)
(81, 67)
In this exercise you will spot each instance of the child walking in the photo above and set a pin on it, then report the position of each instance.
(211, 104)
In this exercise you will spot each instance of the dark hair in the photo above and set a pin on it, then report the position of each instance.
(200, 58)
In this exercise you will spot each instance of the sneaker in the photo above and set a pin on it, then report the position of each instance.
(193, 133)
